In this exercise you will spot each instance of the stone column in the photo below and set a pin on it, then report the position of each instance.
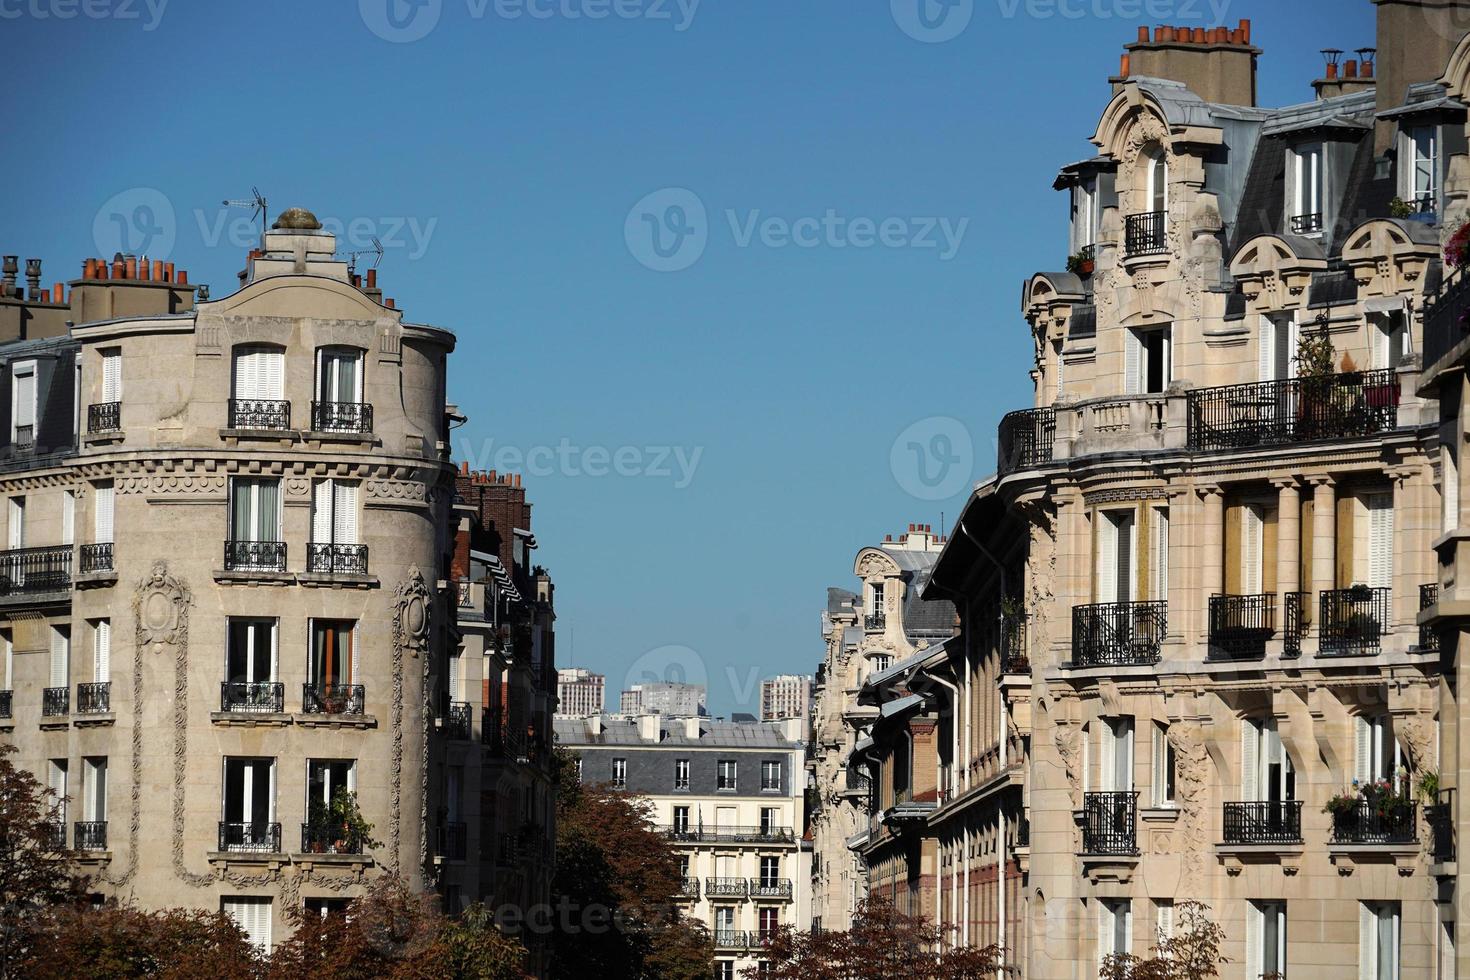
(1404, 599)
(1211, 556)
(1288, 545)
(1324, 542)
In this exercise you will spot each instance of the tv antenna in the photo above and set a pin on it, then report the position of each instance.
(376, 252)
(257, 202)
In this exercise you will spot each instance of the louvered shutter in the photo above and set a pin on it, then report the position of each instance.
(112, 376)
(344, 516)
(1253, 914)
(68, 516)
(1367, 924)
(273, 375)
(1250, 761)
(1132, 363)
(1086, 760)
(1266, 349)
(1451, 492)
(1164, 927)
(102, 503)
(356, 675)
(1158, 766)
(59, 653)
(1127, 929)
(253, 916)
(25, 398)
(321, 512)
(102, 650)
(1160, 576)
(246, 375)
(1126, 584)
(1108, 746)
(9, 664)
(1125, 755)
(1250, 549)
(1107, 559)
(1362, 749)
(1380, 540)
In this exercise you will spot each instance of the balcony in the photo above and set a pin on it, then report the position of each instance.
(1370, 823)
(332, 699)
(328, 838)
(1240, 625)
(54, 834)
(94, 698)
(341, 417)
(510, 851)
(1026, 440)
(255, 556)
(1293, 410)
(1446, 324)
(770, 834)
(27, 571)
(1298, 618)
(1146, 234)
(25, 438)
(449, 844)
(1264, 822)
(1118, 634)
(1013, 650)
(1307, 224)
(259, 414)
(874, 622)
(252, 697)
(1110, 823)
(688, 889)
(1439, 817)
(337, 559)
(731, 939)
(7, 704)
(104, 417)
(776, 888)
(726, 888)
(1428, 635)
(55, 702)
(457, 721)
(95, 557)
(1352, 621)
(250, 837)
(89, 835)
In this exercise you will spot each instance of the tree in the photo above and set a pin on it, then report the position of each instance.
(83, 943)
(1191, 953)
(617, 880)
(882, 943)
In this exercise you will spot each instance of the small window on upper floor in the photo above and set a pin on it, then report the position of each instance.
(1086, 213)
(1148, 357)
(1422, 156)
(1306, 189)
(23, 404)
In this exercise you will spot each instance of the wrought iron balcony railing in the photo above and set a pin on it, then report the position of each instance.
(252, 697)
(1297, 620)
(341, 417)
(450, 842)
(1118, 633)
(1353, 620)
(1240, 625)
(770, 834)
(732, 939)
(7, 704)
(1428, 635)
(1110, 823)
(332, 699)
(94, 698)
(1014, 655)
(1264, 822)
(89, 835)
(770, 888)
(1370, 823)
(1446, 318)
(104, 417)
(351, 559)
(54, 833)
(509, 851)
(255, 556)
(858, 782)
(1025, 440)
(689, 888)
(328, 838)
(457, 720)
(25, 438)
(1440, 818)
(259, 413)
(1292, 410)
(251, 836)
(55, 701)
(726, 887)
(1306, 224)
(32, 570)
(1146, 233)
(874, 621)
(95, 557)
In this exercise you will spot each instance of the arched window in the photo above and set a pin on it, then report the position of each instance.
(1156, 179)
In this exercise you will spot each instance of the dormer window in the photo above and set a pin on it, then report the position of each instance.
(1144, 232)
(1307, 181)
(1086, 214)
(1423, 169)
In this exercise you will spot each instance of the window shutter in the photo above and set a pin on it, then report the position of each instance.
(68, 516)
(1250, 761)
(1451, 494)
(1363, 749)
(1250, 549)
(1086, 760)
(1160, 576)
(1380, 540)
(1125, 589)
(102, 649)
(321, 512)
(1132, 363)
(273, 375)
(1108, 745)
(103, 502)
(1127, 929)
(1253, 930)
(344, 516)
(112, 376)
(1107, 559)
(1157, 760)
(246, 384)
(25, 399)
(58, 659)
(1266, 349)
(1367, 924)
(1164, 928)
(355, 676)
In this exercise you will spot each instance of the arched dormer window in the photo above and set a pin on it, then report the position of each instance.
(1156, 179)
(1145, 232)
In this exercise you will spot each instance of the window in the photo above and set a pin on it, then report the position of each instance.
(620, 773)
(101, 650)
(333, 657)
(770, 871)
(1390, 339)
(9, 645)
(1307, 181)
(255, 510)
(249, 806)
(1276, 347)
(881, 662)
(1148, 361)
(250, 653)
(1378, 940)
(1163, 768)
(724, 970)
(1156, 184)
(1115, 928)
(1380, 539)
(102, 504)
(1163, 920)
(94, 789)
(768, 919)
(1424, 167)
(260, 374)
(253, 915)
(1086, 213)
(56, 782)
(768, 821)
(339, 375)
(1451, 496)
(578, 763)
(1115, 544)
(1265, 939)
(681, 819)
(1117, 754)
(1376, 752)
(323, 907)
(17, 522)
(725, 775)
(1159, 546)
(325, 778)
(681, 774)
(23, 404)
(68, 516)
(724, 917)
(60, 657)
(770, 777)
(875, 603)
(334, 512)
(1266, 772)
(111, 376)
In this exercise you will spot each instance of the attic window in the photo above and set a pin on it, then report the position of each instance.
(1307, 181)
(1423, 157)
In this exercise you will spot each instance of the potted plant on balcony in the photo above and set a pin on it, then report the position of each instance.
(1428, 786)
(1457, 250)
(345, 819)
(1343, 807)
(1083, 262)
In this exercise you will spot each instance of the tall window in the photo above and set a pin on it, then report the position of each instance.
(255, 510)
(768, 821)
(101, 650)
(339, 375)
(325, 778)
(620, 773)
(68, 516)
(1276, 347)
(1157, 180)
(681, 774)
(111, 376)
(56, 779)
(1307, 184)
(17, 522)
(250, 653)
(249, 804)
(260, 374)
(1376, 752)
(1163, 768)
(1266, 772)
(1086, 213)
(333, 659)
(1115, 545)
(1380, 539)
(1265, 940)
(23, 404)
(1378, 940)
(769, 919)
(770, 777)
(60, 656)
(102, 504)
(334, 535)
(725, 774)
(1117, 754)
(1424, 166)
(94, 789)
(253, 915)
(681, 820)
(1115, 928)
(770, 871)
(1148, 357)
(1159, 548)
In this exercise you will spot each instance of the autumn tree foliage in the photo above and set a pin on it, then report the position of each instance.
(1191, 953)
(883, 943)
(80, 943)
(616, 882)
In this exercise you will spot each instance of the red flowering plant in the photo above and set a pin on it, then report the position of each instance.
(1457, 252)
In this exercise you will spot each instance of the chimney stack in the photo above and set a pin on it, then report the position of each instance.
(1217, 64)
(1345, 77)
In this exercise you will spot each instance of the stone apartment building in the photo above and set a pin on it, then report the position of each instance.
(1203, 599)
(224, 597)
(580, 693)
(786, 696)
(672, 698)
(729, 796)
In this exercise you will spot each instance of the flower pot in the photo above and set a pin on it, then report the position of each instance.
(1085, 267)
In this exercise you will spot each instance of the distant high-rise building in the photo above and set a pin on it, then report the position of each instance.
(664, 698)
(579, 693)
(786, 696)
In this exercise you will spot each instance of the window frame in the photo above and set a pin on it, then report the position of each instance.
(721, 785)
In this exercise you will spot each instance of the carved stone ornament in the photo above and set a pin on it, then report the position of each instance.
(412, 612)
(160, 607)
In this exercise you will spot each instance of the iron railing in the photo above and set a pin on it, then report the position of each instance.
(257, 836)
(94, 698)
(1146, 233)
(1118, 633)
(1240, 625)
(252, 697)
(737, 835)
(1428, 635)
(450, 844)
(457, 720)
(255, 556)
(732, 939)
(874, 621)
(341, 417)
(1446, 318)
(689, 888)
(1306, 224)
(349, 559)
(1025, 440)
(95, 557)
(7, 704)
(1353, 620)
(328, 838)
(332, 699)
(1264, 822)
(31, 570)
(89, 835)
(770, 888)
(726, 887)
(258, 413)
(1014, 658)
(1292, 410)
(54, 834)
(55, 701)
(1439, 817)
(25, 438)
(1110, 823)
(509, 852)
(858, 782)
(1298, 618)
(104, 417)
(1369, 823)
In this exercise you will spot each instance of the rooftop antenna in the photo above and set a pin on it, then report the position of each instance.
(376, 251)
(257, 202)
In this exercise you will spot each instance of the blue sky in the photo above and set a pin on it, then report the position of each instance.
(707, 447)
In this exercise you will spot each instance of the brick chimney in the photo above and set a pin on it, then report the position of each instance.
(500, 501)
(1415, 41)
(1216, 63)
(1346, 77)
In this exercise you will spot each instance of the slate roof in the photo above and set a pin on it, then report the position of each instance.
(713, 732)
